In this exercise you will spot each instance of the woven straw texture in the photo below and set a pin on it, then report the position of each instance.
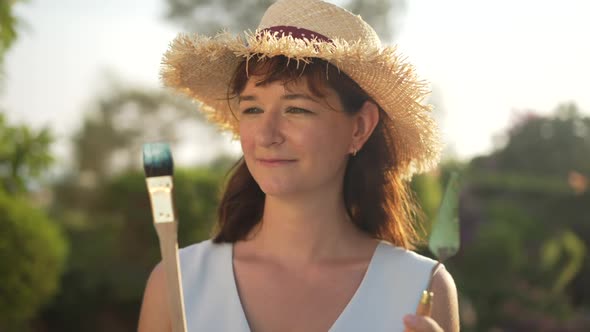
(201, 67)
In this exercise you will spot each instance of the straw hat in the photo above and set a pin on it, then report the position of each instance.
(202, 68)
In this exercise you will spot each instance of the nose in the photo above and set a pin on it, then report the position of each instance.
(269, 131)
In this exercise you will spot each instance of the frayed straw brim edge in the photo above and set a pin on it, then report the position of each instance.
(201, 67)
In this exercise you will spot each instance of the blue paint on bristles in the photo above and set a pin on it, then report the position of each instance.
(157, 159)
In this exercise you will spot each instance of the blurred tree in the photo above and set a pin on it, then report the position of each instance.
(7, 29)
(32, 252)
(528, 223)
(211, 16)
(104, 208)
(32, 249)
(540, 145)
(24, 154)
(110, 139)
(112, 133)
(116, 246)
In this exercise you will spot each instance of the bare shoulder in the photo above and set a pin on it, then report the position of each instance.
(154, 315)
(445, 310)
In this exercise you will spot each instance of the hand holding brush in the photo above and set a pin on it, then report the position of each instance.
(158, 166)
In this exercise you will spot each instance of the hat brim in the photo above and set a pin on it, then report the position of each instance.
(202, 68)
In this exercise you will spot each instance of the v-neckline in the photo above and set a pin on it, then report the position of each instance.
(236, 294)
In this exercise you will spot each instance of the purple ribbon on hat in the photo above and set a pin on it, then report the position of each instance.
(295, 32)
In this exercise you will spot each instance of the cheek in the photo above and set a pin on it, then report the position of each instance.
(247, 144)
(331, 140)
(326, 148)
(246, 138)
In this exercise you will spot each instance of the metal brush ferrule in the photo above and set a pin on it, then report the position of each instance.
(426, 297)
(160, 190)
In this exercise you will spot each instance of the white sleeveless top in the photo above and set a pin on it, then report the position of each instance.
(391, 288)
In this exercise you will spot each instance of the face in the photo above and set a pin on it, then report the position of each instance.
(293, 141)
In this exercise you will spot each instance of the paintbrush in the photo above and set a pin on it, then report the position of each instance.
(444, 238)
(158, 166)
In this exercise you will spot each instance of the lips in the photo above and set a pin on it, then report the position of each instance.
(273, 162)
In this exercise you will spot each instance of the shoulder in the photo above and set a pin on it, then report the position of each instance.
(407, 270)
(442, 281)
(417, 269)
(200, 265)
(197, 247)
(402, 256)
(203, 251)
(152, 317)
(445, 310)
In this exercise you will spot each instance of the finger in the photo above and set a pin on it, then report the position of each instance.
(421, 324)
(424, 309)
(425, 304)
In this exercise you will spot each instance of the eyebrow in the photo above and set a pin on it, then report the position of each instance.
(291, 96)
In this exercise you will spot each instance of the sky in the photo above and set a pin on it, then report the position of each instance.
(487, 61)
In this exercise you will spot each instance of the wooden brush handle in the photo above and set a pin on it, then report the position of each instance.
(167, 234)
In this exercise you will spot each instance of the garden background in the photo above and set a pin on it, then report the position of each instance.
(76, 237)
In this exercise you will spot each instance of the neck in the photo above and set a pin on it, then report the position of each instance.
(307, 228)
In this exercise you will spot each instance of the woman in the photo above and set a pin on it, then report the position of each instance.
(315, 224)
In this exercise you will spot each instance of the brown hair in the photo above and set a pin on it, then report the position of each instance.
(378, 200)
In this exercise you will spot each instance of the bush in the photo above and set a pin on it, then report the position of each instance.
(117, 246)
(32, 252)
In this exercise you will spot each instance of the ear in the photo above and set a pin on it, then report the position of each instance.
(364, 123)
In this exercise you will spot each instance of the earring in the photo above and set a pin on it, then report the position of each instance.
(354, 151)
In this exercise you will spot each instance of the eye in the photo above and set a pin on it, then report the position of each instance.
(252, 110)
(298, 110)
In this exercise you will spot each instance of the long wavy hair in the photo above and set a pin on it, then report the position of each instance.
(378, 200)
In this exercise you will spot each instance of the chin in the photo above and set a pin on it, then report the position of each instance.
(281, 188)
(273, 190)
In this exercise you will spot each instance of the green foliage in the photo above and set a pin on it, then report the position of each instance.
(31, 246)
(495, 270)
(504, 272)
(7, 28)
(24, 155)
(566, 244)
(117, 245)
(428, 191)
(523, 264)
(104, 207)
(545, 145)
(122, 120)
(32, 252)
(519, 182)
